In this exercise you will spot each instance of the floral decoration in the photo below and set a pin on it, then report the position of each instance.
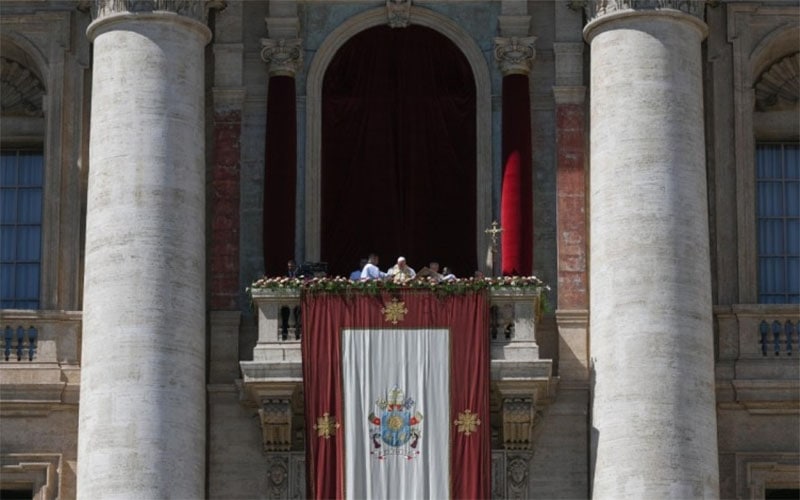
(341, 284)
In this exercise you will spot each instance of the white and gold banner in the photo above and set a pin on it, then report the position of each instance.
(396, 412)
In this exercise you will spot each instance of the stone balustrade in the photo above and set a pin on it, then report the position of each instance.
(757, 361)
(40, 357)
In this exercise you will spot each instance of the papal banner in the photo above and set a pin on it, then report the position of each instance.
(397, 395)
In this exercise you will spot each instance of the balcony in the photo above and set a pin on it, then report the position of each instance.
(758, 365)
(39, 360)
(522, 382)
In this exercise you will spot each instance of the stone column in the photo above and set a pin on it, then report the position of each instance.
(142, 421)
(654, 423)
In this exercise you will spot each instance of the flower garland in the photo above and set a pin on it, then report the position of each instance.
(449, 287)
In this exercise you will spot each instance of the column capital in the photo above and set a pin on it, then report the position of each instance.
(197, 10)
(515, 55)
(284, 56)
(596, 9)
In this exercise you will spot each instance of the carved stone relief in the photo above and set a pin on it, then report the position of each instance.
(398, 13)
(284, 56)
(515, 55)
(278, 477)
(21, 92)
(194, 9)
(598, 8)
(518, 476)
(779, 86)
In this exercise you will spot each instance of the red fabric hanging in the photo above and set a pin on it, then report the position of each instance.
(516, 204)
(398, 152)
(280, 158)
(325, 315)
(510, 208)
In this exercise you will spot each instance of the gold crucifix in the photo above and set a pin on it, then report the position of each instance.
(494, 231)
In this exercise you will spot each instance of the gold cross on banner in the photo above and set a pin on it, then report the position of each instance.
(467, 422)
(326, 426)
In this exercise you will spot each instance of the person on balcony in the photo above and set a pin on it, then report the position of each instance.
(371, 271)
(401, 272)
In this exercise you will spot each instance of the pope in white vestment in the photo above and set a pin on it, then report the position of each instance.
(401, 271)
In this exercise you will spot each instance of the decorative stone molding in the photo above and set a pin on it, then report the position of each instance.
(398, 13)
(285, 476)
(498, 474)
(278, 477)
(276, 424)
(518, 421)
(21, 91)
(518, 479)
(779, 86)
(40, 474)
(515, 55)
(284, 56)
(197, 10)
(599, 8)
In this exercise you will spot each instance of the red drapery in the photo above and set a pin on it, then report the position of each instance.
(516, 206)
(398, 152)
(467, 318)
(279, 175)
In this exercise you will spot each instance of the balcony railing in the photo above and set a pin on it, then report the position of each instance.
(39, 357)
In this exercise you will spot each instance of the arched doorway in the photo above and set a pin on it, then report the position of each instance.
(398, 155)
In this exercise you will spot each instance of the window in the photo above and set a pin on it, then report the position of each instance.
(778, 222)
(21, 175)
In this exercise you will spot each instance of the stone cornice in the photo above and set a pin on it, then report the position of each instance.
(193, 9)
(599, 8)
(283, 56)
(515, 55)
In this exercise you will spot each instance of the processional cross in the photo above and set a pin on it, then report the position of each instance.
(495, 230)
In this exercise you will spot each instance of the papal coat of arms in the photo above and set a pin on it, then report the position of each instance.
(395, 426)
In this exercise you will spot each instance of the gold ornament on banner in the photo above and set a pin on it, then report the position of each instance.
(326, 426)
(395, 311)
(467, 422)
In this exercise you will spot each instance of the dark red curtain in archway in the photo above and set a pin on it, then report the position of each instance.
(398, 152)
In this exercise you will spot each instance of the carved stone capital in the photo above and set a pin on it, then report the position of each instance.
(599, 8)
(515, 55)
(398, 13)
(276, 424)
(284, 56)
(194, 9)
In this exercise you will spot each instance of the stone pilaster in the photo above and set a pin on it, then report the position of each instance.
(142, 404)
(651, 314)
